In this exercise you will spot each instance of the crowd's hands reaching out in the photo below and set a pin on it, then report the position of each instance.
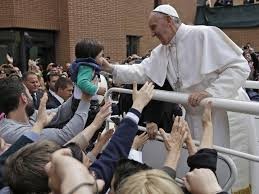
(44, 117)
(152, 130)
(177, 136)
(139, 141)
(66, 173)
(174, 142)
(207, 137)
(191, 147)
(143, 96)
(102, 115)
(102, 140)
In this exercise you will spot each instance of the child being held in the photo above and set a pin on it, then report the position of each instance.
(89, 58)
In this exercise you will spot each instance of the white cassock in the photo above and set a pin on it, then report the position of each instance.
(203, 58)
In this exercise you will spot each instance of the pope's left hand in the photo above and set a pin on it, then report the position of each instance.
(196, 97)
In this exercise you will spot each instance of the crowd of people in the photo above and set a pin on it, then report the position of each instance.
(223, 3)
(52, 125)
(253, 61)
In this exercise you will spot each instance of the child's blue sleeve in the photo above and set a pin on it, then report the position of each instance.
(84, 80)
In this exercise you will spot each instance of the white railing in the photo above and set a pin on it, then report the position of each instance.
(182, 98)
(252, 84)
(229, 105)
(226, 104)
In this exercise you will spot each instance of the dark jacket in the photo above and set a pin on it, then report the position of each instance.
(36, 98)
(52, 101)
(118, 148)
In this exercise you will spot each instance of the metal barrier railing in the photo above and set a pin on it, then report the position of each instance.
(252, 84)
(228, 105)
(182, 98)
(231, 105)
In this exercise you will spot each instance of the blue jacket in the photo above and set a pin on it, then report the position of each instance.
(118, 148)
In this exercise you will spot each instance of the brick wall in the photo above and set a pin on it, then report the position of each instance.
(62, 36)
(36, 14)
(242, 36)
(111, 20)
(6, 13)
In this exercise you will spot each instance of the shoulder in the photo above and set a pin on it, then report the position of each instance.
(205, 33)
(201, 29)
(7, 125)
(85, 68)
(157, 49)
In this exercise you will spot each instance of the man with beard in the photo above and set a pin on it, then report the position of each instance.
(17, 104)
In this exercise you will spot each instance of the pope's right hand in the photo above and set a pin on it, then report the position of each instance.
(106, 66)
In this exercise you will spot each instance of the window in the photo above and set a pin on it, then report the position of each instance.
(23, 45)
(9, 44)
(132, 45)
(157, 3)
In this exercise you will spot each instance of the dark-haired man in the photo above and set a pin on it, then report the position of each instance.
(54, 100)
(17, 104)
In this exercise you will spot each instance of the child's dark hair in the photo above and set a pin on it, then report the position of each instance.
(88, 48)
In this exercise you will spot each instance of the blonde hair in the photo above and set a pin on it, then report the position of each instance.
(148, 182)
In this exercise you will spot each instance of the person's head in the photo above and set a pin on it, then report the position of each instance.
(31, 81)
(24, 170)
(247, 56)
(14, 95)
(52, 78)
(60, 69)
(149, 181)
(163, 23)
(67, 66)
(64, 88)
(51, 66)
(89, 48)
(124, 169)
(54, 69)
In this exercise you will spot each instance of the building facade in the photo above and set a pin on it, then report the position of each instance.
(49, 29)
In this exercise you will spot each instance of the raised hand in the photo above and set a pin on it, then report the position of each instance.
(192, 149)
(177, 136)
(102, 115)
(143, 96)
(174, 142)
(207, 137)
(65, 173)
(139, 141)
(44, 117)
(152, 130)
